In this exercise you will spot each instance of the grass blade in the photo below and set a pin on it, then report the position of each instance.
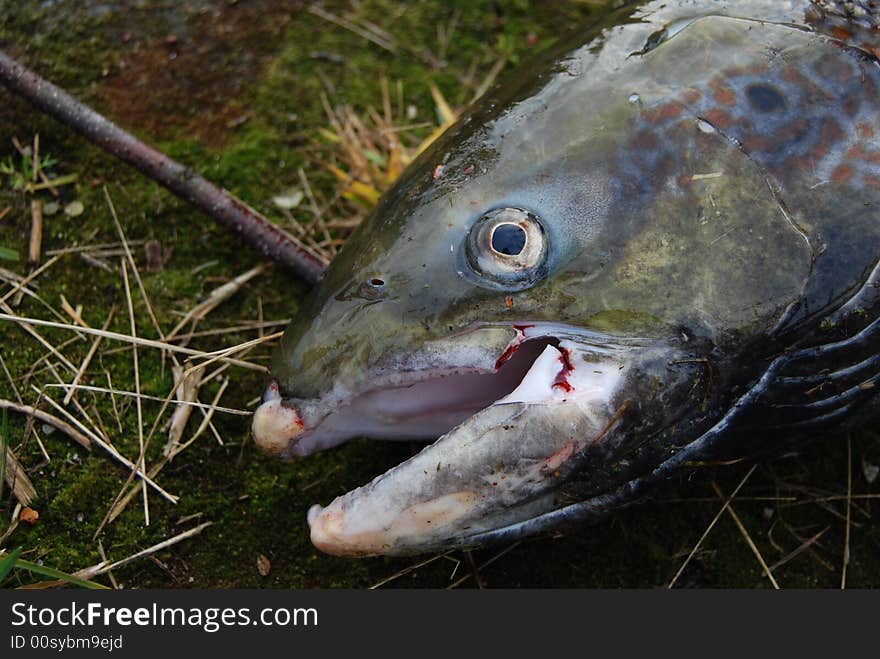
(8, 562)
(4, 433)
(44, 571)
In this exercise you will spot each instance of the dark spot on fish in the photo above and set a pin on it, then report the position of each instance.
(764, 98)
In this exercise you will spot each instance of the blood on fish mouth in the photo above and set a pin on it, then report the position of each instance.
(538, 366)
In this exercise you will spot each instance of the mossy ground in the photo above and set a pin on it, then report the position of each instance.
(233, 89)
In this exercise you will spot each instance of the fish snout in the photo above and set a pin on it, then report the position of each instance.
(276, 424)
(341, 531)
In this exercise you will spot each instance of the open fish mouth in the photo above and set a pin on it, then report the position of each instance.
(504, 433)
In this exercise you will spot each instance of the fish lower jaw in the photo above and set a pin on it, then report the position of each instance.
(430, 501)
(334, 531)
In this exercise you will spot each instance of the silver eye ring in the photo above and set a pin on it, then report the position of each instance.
(508, 247)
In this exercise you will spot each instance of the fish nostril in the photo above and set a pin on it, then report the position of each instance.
(373, 288)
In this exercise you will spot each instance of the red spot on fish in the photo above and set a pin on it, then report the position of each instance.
(692, 95)
(645, 140)
(831, 131)
(719, 118)
(841, 174)
(872, 181)
(865, 130)
(796, 164)
(840, 32)
(757, 143)
(856, 153)
(299, 424)
(722, 93)
(664, 112)
(830, 134)
(468, 170)
(438, 172)
(757, 69)
(851, 106)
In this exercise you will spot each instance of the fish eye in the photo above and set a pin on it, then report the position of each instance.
(508, 239)
(507, 248)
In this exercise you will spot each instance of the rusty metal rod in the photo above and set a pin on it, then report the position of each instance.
(227, 209)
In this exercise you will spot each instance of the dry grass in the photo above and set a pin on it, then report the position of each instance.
(71, 414)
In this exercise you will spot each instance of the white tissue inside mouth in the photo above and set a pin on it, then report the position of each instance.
(537, 385)
(557, 377)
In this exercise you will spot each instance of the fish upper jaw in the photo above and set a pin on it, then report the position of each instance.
(275, 425)
(419, 396)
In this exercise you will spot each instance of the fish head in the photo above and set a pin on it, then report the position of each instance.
(559, 294)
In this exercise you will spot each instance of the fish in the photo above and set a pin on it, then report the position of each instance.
(654, 248)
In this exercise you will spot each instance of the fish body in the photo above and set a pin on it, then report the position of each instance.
(656, 247)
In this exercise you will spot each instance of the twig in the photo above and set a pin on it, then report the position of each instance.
(486, 564)
(348, 25)
(475, 571)
(711, 526)
(26, 326)
(142, 396)
(145, 342)
(33, 275)
(110, 449)
(797, 552)
(137, 388)
(216, 298)
(187, 392)
(17, 479)
(35, 245)
(103, 567)
(748, 538)
(87, 360)
(45, 417)
(182, 181)
(406, 571)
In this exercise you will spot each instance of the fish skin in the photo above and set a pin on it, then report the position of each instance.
(705, 174)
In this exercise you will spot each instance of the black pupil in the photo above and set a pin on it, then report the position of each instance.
(508, 239)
